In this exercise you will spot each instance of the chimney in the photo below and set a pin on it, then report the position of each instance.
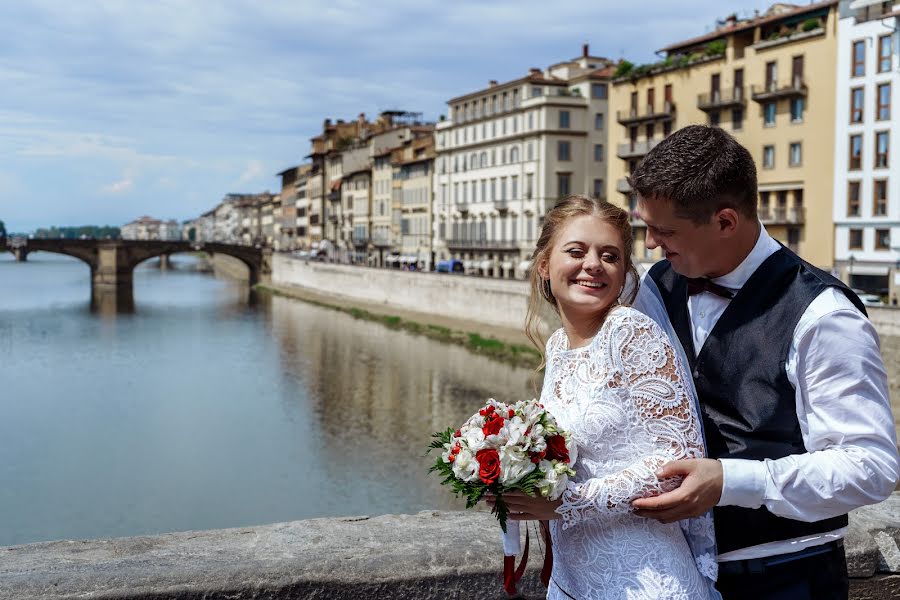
(730, 21)
(327, 123)
(492, 83)
(534, 71)
(585, 50)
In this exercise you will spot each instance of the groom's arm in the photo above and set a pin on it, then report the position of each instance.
(846, 424)
(845, 418)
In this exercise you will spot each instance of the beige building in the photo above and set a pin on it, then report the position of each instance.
(770, 81)
(507, 153)
(413, 170)
(287, 219)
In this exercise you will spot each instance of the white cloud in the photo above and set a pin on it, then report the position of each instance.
(253, 171)
(123, 186)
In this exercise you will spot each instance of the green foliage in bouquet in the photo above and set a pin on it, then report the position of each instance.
(474, 491)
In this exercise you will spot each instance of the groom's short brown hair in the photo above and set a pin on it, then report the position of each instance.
(701, 170)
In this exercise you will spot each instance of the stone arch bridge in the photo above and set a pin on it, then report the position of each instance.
(112, 262)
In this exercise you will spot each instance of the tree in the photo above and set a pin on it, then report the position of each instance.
(2, 229)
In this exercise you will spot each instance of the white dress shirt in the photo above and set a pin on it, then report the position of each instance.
(835, 366)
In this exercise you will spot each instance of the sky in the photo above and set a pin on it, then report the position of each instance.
(110, 110)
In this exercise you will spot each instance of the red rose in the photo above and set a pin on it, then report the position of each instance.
(489, 465)
(493, 423)
(556, 448)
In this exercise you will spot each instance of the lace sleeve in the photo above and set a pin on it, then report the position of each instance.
(646, 365)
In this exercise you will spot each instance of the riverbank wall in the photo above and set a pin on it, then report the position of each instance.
(498, 303)
(430, 555)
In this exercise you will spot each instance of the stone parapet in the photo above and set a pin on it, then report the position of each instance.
(440, 555)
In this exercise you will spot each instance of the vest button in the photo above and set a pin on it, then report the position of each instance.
(696, 373)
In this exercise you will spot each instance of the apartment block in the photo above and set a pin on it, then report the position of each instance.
(505, 154)
(866, 208)
(768, 79)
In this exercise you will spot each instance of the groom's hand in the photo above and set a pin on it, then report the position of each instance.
(700, 491)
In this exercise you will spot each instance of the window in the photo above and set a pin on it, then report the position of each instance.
(879, 205)
(530, 120)
(514, 187)
(884, 53)
(598, 121)
(503, 195)
(737, 119)
(667, 128)
(797, 106)
(771, 76)
(768, 157)
(855, 152)
(599, 192)
(859, 59)
(529, 185)
(536, 91)
(855, 239)
(714, 118)
(882, 239)
(853, 199)
(769, 114)
(563, 119)
(514, 154)
(857, 102)
(598, 152)
(529, 151)
(796, 154)
(598, 90)
(563, 184)
(883, 109)
(563, 150)
(882, 143)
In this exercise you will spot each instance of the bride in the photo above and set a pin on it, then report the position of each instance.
(616, 382)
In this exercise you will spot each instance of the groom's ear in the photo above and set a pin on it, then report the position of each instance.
(727, 221)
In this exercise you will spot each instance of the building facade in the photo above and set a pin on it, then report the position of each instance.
(769, 80)
(866, 172)
(507, 153)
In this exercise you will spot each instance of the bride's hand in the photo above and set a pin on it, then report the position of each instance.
(523, 507)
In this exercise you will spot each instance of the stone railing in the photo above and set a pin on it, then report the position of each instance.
(429, 555)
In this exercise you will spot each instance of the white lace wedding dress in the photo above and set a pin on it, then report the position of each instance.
(622, 396)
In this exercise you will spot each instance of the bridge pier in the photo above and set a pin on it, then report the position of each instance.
(20, 253)
(112, 280)
(164, 262)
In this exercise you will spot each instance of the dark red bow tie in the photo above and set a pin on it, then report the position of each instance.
(702, 284)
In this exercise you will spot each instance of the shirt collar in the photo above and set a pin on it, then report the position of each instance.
(765, 247)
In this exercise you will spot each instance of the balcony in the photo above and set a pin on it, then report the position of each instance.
(460, 244)
(782, 215)
(360, 242)
(622, 186)
(334, 196)
(773, 91)
(636, 149)
(719, 100)
(633, 117)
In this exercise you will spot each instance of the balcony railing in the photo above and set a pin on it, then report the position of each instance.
(462, 244)
(623, 186)
(636, 149)
(334, 196)
(718, 99)
(773, 91)
(794, 215)
(633, 116)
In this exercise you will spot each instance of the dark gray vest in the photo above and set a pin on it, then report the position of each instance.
(748, 404)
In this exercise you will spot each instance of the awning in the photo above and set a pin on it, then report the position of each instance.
(390, 259)
(524, 265)
(335, 185)
(486, 264)
(467, 264)
(857, 4)
(869, 270)
(506, 266)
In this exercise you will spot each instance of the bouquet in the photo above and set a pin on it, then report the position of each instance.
(505, 447)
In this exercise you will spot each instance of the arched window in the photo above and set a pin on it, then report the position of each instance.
(502, 156)
(473, 161)
(455, 164)
(484, 160)
(514, 154)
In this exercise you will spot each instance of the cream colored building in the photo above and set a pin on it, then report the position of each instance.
(508, 152)
(413, 169)
(770, 81)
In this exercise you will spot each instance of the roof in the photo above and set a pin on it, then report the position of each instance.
(749, 24)
(530, 78)
(288, 170)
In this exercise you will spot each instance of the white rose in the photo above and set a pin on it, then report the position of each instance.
(465, 466)
(513, 431)
(514, 465)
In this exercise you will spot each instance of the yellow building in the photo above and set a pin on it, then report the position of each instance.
(770, 81)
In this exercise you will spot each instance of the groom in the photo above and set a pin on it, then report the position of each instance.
(787, 369)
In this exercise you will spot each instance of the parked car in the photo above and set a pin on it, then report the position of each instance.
(869, 299)
(450, 266)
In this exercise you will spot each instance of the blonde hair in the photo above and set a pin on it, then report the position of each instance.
(565, 210)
